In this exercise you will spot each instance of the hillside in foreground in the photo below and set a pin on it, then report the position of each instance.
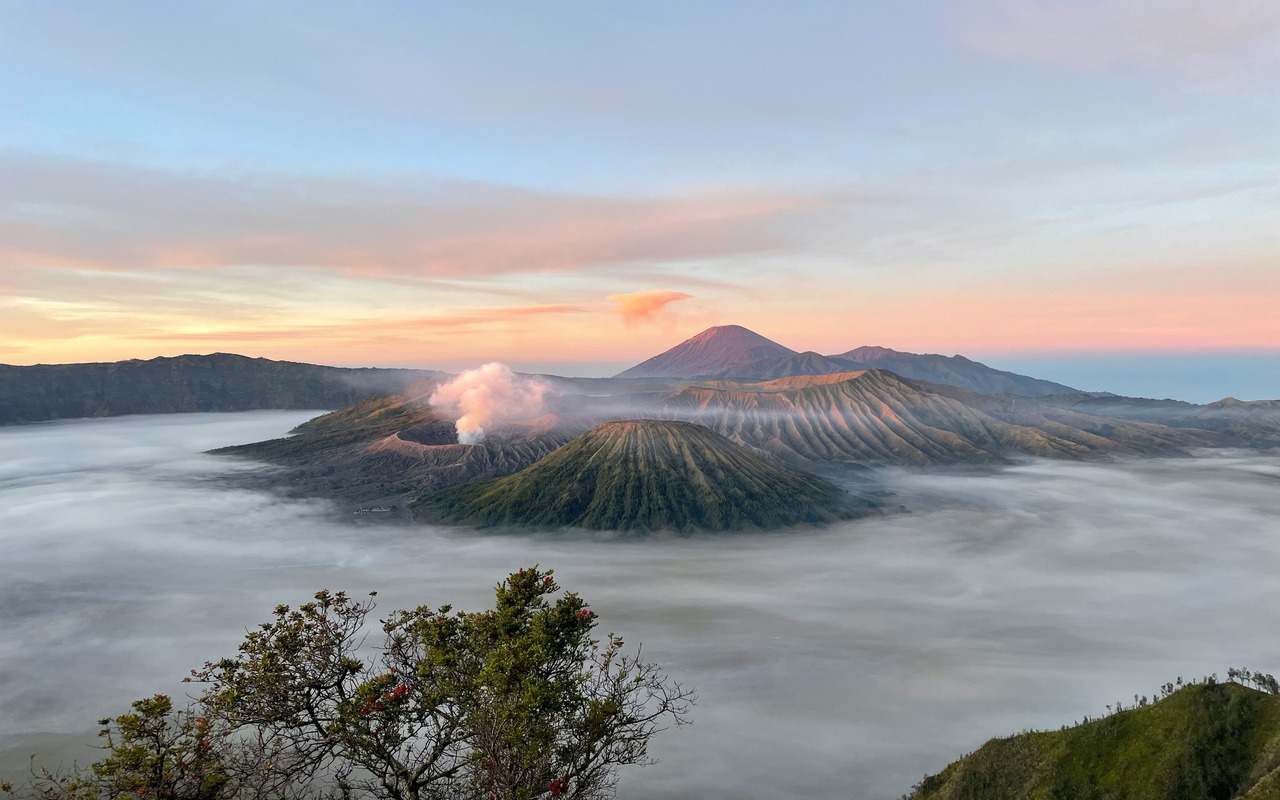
(1211, 741)
(648, 475)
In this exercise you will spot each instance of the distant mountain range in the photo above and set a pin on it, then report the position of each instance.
(217, 382)
(732, 352)
(229, 382)
(752, 402)
(649, 475)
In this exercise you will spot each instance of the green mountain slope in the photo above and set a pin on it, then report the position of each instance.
(1214, 741)
(649, 475)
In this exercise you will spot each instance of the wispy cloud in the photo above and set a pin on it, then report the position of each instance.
(646, 304)
(59, 212)
(1224, 45)
(460, 320)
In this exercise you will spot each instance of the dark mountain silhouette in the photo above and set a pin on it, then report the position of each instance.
(711, 352)
(217, 382)
(649, 475)
(951, 370)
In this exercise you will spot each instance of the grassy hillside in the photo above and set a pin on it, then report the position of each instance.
(649, 475)
(1211, 741)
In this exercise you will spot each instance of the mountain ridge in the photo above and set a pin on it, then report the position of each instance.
(876, 416)
(732, 352)
(187, 383)
(956, 370)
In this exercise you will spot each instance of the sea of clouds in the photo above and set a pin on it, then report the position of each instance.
(841, 662)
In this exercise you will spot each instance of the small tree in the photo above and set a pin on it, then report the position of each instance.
(158, 752)
(514, 703)
(152, 752)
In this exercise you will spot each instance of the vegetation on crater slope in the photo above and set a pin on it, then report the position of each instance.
(648, 475)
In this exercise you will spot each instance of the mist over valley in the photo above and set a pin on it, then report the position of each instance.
(846, 660)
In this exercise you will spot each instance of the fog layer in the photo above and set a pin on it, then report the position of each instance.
(842, 662)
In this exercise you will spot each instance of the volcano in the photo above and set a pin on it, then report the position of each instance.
(650, 475)
(712, 352)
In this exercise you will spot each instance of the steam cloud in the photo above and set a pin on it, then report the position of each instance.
(487, 396)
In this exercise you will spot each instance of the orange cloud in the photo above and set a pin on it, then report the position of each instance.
(464, 320)
(644, 305)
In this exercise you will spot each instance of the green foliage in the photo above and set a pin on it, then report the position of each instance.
(514, 703)
(154, 751)
(157, 752)
(1203, 741)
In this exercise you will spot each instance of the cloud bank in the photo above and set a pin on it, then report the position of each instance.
(487, 396)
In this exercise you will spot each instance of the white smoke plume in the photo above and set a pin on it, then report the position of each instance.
(489, 395)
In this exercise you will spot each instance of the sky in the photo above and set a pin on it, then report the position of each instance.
(572, 187)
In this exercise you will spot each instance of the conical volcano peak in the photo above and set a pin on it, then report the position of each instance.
(651, 475)
(715, 350)
(726, 332)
